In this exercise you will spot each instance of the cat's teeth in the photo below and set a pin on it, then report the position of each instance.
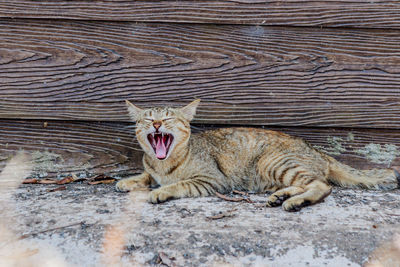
(162, 134)
(152, 134)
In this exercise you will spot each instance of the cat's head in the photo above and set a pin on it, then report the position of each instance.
(160, 131)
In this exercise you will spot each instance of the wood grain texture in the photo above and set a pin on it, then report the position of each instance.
(60, 147)
(248, 75)
(340, 13)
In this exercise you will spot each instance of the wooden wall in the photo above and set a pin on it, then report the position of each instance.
(328, 71)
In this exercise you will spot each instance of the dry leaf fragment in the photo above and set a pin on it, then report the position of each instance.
(66, 180)
(47, 181)
(107, 181)
(30, 181)
(102, 179)
(60, 188)
(77, 179)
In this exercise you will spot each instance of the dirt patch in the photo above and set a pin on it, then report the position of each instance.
(341, 231)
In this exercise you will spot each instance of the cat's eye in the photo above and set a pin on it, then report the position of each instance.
(148, 120)
(168, 119)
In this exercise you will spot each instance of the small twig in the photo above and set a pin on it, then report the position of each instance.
(221, 215)
(245, 194)
(240, 193)
(235, 199)
(232, 199)
(49, 230)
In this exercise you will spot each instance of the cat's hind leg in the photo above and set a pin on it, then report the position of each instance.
(314, 192)
(302, 179)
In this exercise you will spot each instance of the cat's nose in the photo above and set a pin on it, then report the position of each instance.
(156, 125)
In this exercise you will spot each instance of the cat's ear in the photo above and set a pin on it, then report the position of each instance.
(190, 110)
(134, 111)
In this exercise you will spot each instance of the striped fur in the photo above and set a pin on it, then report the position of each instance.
(249, 159)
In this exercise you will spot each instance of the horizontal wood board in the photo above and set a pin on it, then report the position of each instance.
(59, 147)
(245, 75)
(340, 13)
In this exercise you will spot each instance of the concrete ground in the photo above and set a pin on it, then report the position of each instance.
(93, 225)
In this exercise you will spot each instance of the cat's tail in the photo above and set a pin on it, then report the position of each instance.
(346, 176)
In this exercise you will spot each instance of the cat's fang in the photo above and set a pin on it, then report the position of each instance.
(161, 143)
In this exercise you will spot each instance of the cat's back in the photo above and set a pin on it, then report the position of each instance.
(240, 139)
(237, 149)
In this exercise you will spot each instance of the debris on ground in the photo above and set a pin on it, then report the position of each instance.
(222, 214)
(99, 179)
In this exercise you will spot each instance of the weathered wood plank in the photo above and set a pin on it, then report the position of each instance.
(60, 147)
(341, 13)
(249, 75)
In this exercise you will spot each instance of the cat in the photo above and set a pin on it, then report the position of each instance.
(226, 159)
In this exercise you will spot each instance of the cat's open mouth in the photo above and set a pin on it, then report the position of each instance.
(160, 142)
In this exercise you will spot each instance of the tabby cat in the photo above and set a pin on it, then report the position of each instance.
(249, 159)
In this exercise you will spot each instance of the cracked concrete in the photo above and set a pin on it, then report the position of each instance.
(341, 231)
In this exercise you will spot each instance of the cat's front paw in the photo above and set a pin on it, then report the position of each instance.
(122, 186)
(130, 184)
(159, 196)
(127, 185)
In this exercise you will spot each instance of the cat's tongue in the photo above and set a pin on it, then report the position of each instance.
(161, 151)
